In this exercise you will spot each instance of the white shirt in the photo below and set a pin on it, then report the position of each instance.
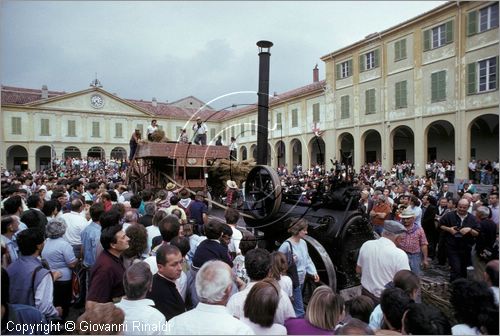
(153, 231)
(234, 244)
(75, 225)
(464, 329)
(200, 129)
(151, 129)
(207, 319)
(283, 312)
(380, 260)
(286, 285)
(275, 329)
(141, 318)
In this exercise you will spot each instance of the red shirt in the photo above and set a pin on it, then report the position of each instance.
(106, 278)
(413, 239)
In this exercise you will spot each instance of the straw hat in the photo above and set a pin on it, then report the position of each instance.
(170, 186)
(231, 184)
(407, 213)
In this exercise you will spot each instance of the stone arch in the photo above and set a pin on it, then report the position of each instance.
(372, 141)
(403, 144)
(243, 153)
(483, 132)
(17, 157)
(253, 150)
(345, 144)
(280, 151)
(43, 157)
(96, 152)
(296, 146)
(440, 136)
(118, 153)
(317, 149)
(72, 151)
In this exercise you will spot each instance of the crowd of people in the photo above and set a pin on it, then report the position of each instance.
(156, 262)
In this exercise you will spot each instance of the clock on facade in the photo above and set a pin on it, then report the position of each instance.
(97, 101)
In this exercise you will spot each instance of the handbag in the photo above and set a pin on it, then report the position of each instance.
(292, 267)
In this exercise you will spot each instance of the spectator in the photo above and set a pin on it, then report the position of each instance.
(91, 236)
(153, 230)
(324, 311)
(491, 276)
(130, 218)
(355, 327)
(248, 243)
(76, 223)
(360, 308)
(414, 242)
(34, 283)
(296, 248)
(106, 283)
(379, 213)
(380, 259)
(394, 302)
(10, 225)
(213, 287)
(169, 228)
(421, 319)
(260, 308)
(198, 212)
(279, 267)
(460, 227)
(232, 216)
(149, 212)
(137, 245)
(60, 256)
(474, 307)
(140, 316)
(484, 249)
(105, 314)
(257, 264)
(164, 293)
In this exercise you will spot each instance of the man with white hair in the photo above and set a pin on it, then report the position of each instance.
(210, 317)
(379, 260)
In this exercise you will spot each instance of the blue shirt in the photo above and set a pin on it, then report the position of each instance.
(197, 209)
(59, 253)
(91, 236)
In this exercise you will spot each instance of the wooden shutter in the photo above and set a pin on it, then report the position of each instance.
(349, 67)
(362, 63)
(337, 71)
(402, 49)
(472, 23)
(404, 94)
(316, 112)
(471, 78)
(397, 51)
(376, 56)
(427, 39)
(449, 31)
(434, 87)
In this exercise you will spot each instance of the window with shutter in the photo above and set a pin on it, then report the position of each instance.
(16, 125)
(71, 128)
(45, 127)
(295, 118)
(370, 60)
(253, 127)
(316, 112)
(118, 130)
(212, 133)
(438, 36)
(344, 107)
(242, 129)
(488, 73)
(400, 50)
(370, 101)
(471, 23)
(401, 99)
(279, 124)
(438, 86)
(224, 135)
(95, 129)
(488, 17)
(345, 69)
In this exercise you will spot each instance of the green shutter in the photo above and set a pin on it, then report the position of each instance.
(376, 55)
(397, 51)
(449, 31)
(496, 75)
(404, 94)
(471, 78)
(402, 48)
(472, 23)
(442, 85)
(347, 106)
(398, 95)
(349, 67)
(434, 87)
(367, 101)
(362, 63)
(337, 71)
(427, 39)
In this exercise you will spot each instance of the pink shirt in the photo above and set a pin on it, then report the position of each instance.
(413, 239)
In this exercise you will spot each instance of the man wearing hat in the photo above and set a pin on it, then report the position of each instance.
(200, 132)
(379, 260)
(232, 194)
(414, 242)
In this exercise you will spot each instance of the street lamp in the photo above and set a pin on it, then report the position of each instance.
(263, 102)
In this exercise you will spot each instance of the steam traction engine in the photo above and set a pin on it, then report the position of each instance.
(336, 228)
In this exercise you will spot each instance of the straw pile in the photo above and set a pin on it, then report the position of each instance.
(159, 136)
(224, 170)
(438, 295)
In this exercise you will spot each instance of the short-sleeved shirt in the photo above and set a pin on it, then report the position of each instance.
(59, 253)
(196, 210)
(413, 239)
(106, 278)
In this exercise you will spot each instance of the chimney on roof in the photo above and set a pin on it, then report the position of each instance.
(154, 102)
(316, 74)
(45, 92)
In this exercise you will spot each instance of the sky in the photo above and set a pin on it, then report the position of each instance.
(174, 49)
